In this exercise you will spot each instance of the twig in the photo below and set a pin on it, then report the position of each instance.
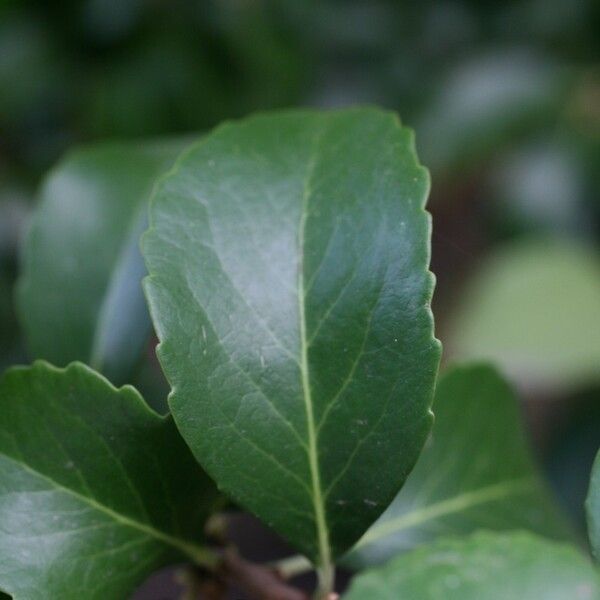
(260, 582)
(198, 583)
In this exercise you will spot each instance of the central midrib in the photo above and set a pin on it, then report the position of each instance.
(317, 495)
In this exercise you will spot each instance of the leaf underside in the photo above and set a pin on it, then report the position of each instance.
(476, 472)
(288, 258)
(96, 490)
(80, 294)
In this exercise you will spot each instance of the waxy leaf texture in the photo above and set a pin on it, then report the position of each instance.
(476, 472)
(289, 286)
(96, 490)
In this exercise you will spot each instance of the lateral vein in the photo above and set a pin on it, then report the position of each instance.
(445, 507)
(200, 555)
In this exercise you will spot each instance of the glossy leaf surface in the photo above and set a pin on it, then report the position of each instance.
(289, 287)
(485, 566)
(96, 490)
(80, 296)
(592, 507)
(476, 472)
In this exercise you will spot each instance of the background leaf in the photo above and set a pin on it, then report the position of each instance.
(96, 490)
(485, 103)
(546, 295)
(476, 472)
(485, 566)
(592, 506)
(289, 287)
(80, 296)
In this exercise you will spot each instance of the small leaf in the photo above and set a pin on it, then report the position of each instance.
(289, 287)
(96, 490)
(485, 566)
(534, 309)
(592, 507)
(80, 296)
(476, 472)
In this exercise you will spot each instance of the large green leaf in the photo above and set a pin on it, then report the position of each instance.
(534, 309)
(476, 471)
(96, 490)
(485, 566)
(289, 287)
(80, 297)
(592, 507)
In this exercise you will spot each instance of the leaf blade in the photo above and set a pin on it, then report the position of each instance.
(79, 296)
(483, 566)
(82, 511)
(257, 212)
(476, 472)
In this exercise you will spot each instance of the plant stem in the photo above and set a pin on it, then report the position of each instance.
(203, 557)
(258, 581)
(326, 582)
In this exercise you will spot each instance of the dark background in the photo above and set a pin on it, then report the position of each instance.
(505, 100)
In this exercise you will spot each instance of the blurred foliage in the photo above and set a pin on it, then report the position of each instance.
(470, 75)
(504, 97)
(533, 309)
(92, 69)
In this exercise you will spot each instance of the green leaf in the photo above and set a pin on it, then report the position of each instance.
(288, 259)
(485, 566)
(80, 297)
(592, 507)
(534, 309)
(476, 472)
(96, 490)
